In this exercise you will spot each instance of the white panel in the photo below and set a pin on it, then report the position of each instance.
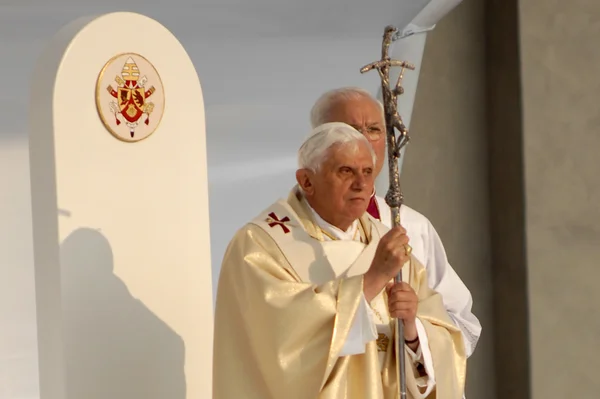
(18, 348)
(121, 230)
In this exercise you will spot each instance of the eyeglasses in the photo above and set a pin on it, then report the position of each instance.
(373, 133)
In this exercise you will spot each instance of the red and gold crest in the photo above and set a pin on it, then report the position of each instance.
(129, 110)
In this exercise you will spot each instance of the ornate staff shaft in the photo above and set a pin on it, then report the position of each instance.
(394, 197)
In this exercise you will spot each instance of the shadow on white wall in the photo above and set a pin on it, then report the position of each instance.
(117, 347)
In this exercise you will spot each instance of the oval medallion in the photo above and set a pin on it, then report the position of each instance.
(130, 97)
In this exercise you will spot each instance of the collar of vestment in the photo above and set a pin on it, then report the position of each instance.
(315, 258)
(356, 231)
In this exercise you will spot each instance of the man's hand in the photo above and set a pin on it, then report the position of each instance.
(390, 256)
(403, 303)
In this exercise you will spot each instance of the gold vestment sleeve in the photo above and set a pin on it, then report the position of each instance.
(276, 337)
(445, 338)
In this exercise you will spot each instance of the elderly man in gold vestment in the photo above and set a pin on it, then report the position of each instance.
(306, 302)
(359, 109)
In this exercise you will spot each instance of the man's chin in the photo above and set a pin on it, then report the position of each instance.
(358, 207)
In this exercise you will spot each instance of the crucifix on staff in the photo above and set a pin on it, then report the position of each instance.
(394, 197)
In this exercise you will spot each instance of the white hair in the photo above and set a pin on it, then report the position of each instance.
(319, 114)
(315, 149)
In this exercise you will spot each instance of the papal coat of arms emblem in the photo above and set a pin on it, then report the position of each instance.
(132, 109)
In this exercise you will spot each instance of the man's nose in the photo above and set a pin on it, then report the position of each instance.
(360, 182)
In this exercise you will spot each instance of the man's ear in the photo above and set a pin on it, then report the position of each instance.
(304, 178)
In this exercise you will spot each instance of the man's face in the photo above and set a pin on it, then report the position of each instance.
(364, 115)
(341, 189)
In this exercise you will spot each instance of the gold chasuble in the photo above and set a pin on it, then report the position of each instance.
(286, 301)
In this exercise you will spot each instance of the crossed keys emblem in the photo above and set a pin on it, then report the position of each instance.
(274, 221)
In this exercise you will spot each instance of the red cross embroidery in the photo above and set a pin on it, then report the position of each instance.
(273, 221)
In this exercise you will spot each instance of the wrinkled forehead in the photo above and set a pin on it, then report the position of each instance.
(356, 154)
(357, 110)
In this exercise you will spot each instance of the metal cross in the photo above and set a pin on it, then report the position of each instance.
(394, 197)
